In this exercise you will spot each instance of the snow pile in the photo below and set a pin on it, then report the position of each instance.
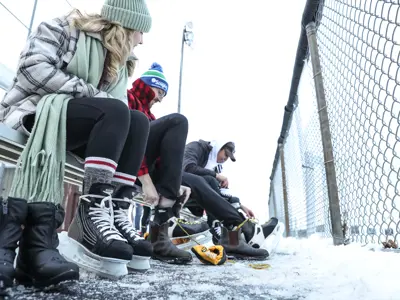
(311, 269)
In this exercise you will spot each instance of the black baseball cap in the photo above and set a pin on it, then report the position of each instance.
(230, 150)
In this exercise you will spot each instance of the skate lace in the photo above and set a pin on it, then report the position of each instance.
(103, 216)
(252, 220)
(122, 218)
(218, 231)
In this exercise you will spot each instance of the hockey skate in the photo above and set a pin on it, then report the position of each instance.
(215, 231)
(96, 245)
(265, 236)
(142, 249)
(186, 234)
(236, 246)
(39, 262)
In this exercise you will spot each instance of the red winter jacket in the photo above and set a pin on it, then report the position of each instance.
(139, 97)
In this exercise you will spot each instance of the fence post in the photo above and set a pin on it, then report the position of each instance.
(333, 195)
(285, 197)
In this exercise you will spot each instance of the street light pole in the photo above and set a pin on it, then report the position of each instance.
(187, 38)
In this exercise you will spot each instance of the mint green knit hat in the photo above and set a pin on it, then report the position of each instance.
(132, 14)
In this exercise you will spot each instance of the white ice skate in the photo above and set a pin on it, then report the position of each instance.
(271, 241)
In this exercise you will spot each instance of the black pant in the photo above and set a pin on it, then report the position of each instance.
(210, 200)
(167, 139)
(102, 127)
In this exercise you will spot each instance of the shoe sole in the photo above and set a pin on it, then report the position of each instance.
(27, 280)
(173, 260)
(244, 257)
(6, 281)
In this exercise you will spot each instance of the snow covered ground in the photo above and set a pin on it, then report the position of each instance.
(309, 269)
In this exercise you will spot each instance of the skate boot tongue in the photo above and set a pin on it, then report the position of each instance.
(125, 192)
(99, 190)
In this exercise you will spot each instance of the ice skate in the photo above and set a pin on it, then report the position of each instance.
(215, 231)
(180, 228)
(236, 246)
(96, 245)
(142, 249)
(39, 263)
(12, 216)
(268, 234)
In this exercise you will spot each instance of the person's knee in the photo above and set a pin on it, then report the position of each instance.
(139, 121)
(179, 119)
(115, 110)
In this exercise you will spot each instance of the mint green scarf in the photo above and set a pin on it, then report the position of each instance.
(40, 169)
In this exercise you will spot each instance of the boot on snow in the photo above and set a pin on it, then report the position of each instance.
(13, 214)
(39, 263)
(96, 244)
(163, 248)
(235, 246)
(142, 249)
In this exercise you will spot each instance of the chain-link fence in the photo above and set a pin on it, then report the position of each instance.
(359, 50)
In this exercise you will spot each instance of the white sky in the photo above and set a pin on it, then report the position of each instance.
(236, 78)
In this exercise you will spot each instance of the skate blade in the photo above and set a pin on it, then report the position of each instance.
(271, 243)
(200, 238)
(110, 268)
(139, 263)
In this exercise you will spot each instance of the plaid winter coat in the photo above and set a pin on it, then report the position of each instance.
(41, 71)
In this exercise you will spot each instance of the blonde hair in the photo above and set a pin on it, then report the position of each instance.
(116, 39)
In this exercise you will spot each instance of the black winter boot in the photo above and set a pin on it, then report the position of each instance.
(39, 263)
(236, 246)
(12, 216)
(163, 248)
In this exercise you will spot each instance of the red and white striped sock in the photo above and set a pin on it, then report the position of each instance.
(123, 179)
(98, 170)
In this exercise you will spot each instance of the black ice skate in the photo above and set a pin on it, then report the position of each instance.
(97, 245)
(181, 228)
(13, 214)
(142, 249)
(39, 263)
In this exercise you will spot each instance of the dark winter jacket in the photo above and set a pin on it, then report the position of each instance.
(196, 157)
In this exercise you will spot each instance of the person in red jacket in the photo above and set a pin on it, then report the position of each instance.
(161, 171)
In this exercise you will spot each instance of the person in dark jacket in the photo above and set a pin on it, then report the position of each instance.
(202, 165)
(205, 159)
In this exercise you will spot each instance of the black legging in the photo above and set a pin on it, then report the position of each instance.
(103, 127)
(167, 139)
(208, 199)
